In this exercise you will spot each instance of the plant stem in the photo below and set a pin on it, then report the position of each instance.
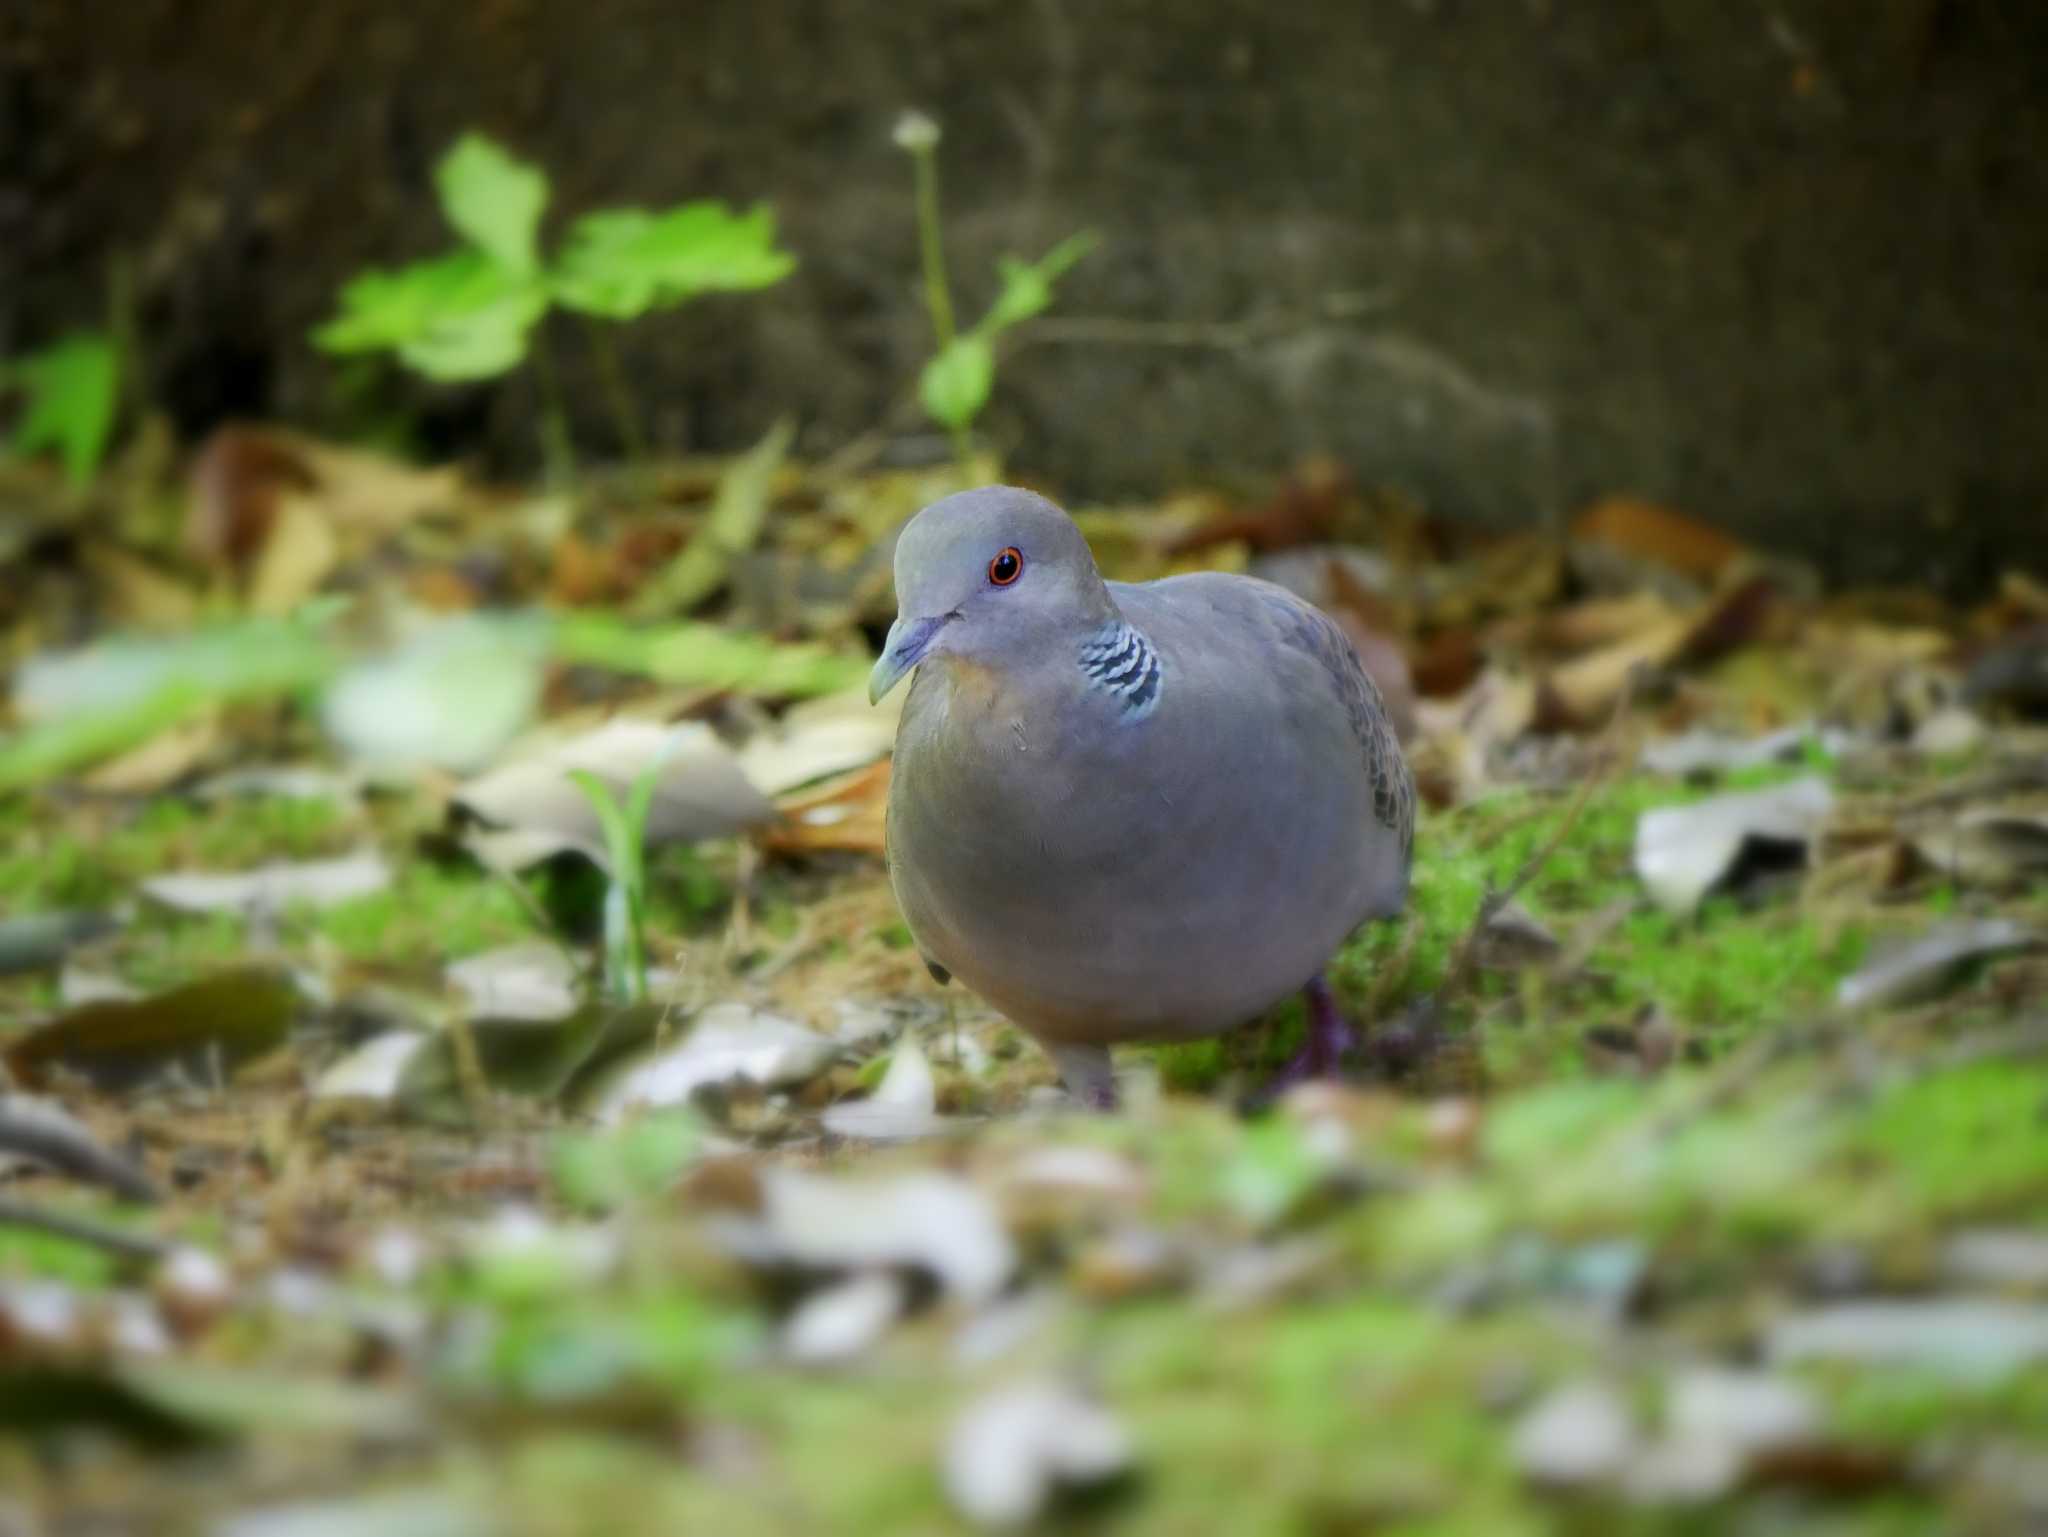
(938, 297)
(931, 250)
(618, 395)
(557, 452)
(122, 327)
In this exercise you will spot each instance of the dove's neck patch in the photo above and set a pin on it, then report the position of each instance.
(1122, 663)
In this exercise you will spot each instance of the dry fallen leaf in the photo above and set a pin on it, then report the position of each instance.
(701, 790)
(224, 1020)
(274, 887)
(160, 762)
(931, 1221)
(1646, 532)
(1578, 1434)
(903, 1106)
(1581, 693)
(536, 981)
(1920, 968)
(1700, 751)
(1970, 1338)
(836, 1324)
(848, 814)
(1994, 846)
(1011, 1451)
(298, 555)
(727, 1043)
(819, 738)
(1683, 852)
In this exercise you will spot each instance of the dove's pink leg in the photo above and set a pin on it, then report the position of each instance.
(1329, 1036)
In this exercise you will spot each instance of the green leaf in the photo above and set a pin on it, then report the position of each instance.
(494, 200)
(1027, 286)
(625, 900)
(611, 816)
(955, 385)
(82, 706)
(452, 694)
(623, 262)
(457, 317)
(705, 654)
(72, 388)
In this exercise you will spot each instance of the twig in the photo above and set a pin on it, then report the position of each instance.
(618, 395)
(81, 1229)
(1458, 976)
(471, 1081)
(1204, 335)
(556, 448)
(49, 1136)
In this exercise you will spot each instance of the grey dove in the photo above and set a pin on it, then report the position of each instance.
(1129, 812)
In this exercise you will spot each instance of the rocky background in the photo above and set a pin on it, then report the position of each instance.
(1784, 265)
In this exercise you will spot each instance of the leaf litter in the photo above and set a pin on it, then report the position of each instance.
(1717, 1197)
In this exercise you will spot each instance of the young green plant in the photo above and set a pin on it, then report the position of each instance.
(477, 311)
(70, 391)
(625, 903)
(956, 384)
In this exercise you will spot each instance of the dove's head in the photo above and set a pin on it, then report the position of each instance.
(992, 576)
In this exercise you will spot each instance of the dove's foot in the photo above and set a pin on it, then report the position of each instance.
(1085, 1072)
(1330, 1036)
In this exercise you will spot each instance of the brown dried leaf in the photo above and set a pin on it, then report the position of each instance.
(1647, 532)
(161, 761)
(234, 1017)
(1581, 694)
(848, 814)
(1305, 510)
(299, 554)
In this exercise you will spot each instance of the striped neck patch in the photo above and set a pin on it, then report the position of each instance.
(1122, 663)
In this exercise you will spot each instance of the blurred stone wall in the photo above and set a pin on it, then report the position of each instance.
(1782, 263)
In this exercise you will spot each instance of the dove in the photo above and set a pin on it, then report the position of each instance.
(1126, 812)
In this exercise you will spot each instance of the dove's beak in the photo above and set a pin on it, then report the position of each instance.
(909, 639)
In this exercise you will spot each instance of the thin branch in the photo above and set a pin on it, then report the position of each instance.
(1204, 335)
(931, 250)
(1465, 961)
(618, 394)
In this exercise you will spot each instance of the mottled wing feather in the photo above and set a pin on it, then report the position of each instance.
(1310, 630)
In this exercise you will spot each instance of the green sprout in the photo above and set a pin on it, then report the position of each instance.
(625, 901)
(955, 385)
(70, 391)
(475, 312)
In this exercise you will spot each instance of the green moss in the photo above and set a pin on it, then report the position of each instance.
(93, 857)
(1783, 1168)
(1970, 1141)
(685, 892)
(1730, 970)
(25, 1252)
(168, 950)
(428, 915)
(1192, 1067)
(1369, 1414)
(1899, 1406)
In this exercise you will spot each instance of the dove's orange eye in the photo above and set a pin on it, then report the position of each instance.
(1007, 566)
